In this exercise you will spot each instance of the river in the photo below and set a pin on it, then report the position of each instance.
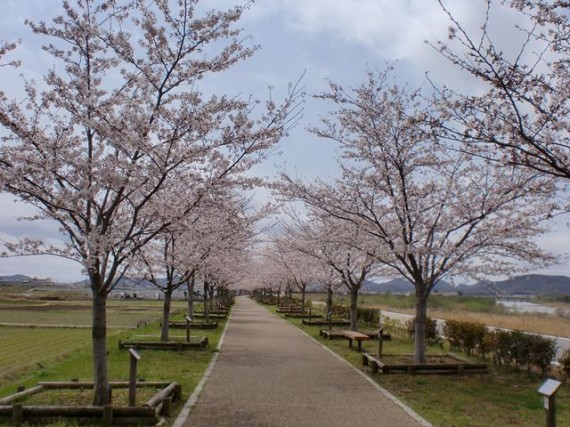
(527, 307)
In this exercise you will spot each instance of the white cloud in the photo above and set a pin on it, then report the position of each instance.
(333, 39)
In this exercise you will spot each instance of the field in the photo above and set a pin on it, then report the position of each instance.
(40, 347)
(121, 314)
(53, 342)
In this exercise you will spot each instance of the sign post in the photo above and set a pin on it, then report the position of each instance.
(548, 390)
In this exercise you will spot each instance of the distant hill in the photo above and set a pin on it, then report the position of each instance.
(401, 286)
(530, 284)
(21, 279)
(15, 278)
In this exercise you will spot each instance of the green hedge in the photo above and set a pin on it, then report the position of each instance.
(465, 336)
(431, 329)
(366, 317)
(516, 349)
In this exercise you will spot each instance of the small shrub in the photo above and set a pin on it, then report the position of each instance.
(565, 364)
(393, 326)
(452, 331)
(431, 329)
(465, 336)
(369, 317)
(502, 355)
(542, 351)
(341, 311)
(472, 336)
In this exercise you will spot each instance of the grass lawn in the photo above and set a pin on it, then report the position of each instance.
(499, 398)
(62, 354)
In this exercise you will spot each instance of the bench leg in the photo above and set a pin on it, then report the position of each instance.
(350, 343)
(359, 345)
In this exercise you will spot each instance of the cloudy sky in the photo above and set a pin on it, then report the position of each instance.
(333, 40)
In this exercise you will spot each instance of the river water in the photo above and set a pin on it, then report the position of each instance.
(527, 307)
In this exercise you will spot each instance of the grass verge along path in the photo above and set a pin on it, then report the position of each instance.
(499, 398)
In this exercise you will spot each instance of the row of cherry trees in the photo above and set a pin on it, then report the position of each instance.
(442, 184)
(211, 244)
(119, 146)
(141, 170)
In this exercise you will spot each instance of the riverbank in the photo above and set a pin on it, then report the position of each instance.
(471, 309)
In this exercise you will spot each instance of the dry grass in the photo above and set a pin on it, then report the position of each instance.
(540, 324)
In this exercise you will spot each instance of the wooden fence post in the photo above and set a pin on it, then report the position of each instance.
(17, 416)
(135, 357)
(108, 415)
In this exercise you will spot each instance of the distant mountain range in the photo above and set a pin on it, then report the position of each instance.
(15, 278)
(124, 283)
(530, 284)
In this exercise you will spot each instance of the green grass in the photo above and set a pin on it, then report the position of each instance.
(29, 349)
(499, 398)
(73, 359)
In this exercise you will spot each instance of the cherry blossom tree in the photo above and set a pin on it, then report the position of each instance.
(522, 117)
(118, 120)
(298, 269)
(6, 47)
(223, 269)
(218, 225)
(268, 275)
(158, 263)
(427, 212)
(330, 243)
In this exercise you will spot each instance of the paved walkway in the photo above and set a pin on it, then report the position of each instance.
(270, 374)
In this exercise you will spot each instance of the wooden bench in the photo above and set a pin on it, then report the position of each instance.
(321, 322)
(355, 336)
(289, 309)
(349, 335)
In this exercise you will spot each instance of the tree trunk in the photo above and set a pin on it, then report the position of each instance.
(329, 301)
(303, 300)
(190, 287)
(206, 307)
(166, 315)
(420, 330)
(99, 341)
(353, 306)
